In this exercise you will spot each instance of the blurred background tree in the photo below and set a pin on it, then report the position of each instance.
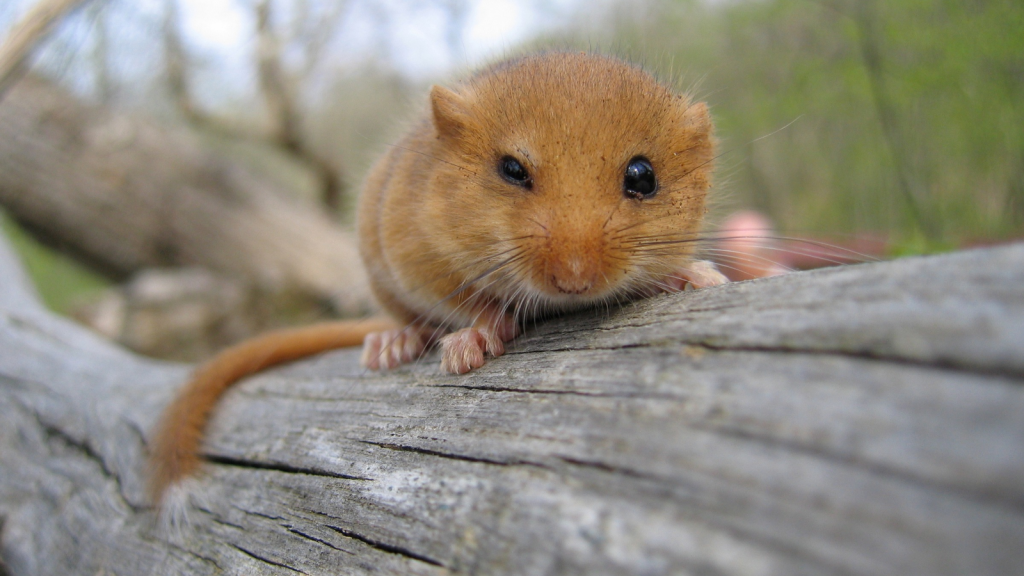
(907, 115)
(900, 119)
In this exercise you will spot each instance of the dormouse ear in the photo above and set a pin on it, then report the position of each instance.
(450, 112)
(698, 119)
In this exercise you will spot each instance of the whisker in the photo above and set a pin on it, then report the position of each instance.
(440, 327)
(431, 156)
(612, 213)
(668, 240)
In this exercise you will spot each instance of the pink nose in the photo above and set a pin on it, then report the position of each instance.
(573, 275)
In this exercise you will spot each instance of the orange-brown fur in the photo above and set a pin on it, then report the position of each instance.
(435, 213)
(451, 245)
(175, 450)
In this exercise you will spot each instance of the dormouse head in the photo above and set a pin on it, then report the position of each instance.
(574, 178)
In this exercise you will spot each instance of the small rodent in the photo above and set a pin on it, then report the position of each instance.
(540, 184)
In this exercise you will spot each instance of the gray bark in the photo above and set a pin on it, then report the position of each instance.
(859, 420)
(124, 194)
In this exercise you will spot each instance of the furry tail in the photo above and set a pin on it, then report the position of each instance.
(175, 453)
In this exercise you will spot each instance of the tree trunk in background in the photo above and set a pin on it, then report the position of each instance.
(125, 194)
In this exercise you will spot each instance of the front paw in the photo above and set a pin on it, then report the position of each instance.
(391, 348)
(699, 274)
(463, 351)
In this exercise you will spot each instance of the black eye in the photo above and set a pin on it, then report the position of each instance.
(639, 182)
(514, 172)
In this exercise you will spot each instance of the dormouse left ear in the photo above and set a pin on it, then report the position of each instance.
(697, 119)
(450, 112)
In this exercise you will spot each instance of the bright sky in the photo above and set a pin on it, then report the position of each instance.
(219, 34)
(417, 39)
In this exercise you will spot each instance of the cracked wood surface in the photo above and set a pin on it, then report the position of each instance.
(858, 420)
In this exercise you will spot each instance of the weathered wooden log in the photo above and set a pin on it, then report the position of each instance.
(124, 194)
(857, 420)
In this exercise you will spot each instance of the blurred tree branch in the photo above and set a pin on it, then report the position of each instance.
(312, 32)
(869, 41)
(25, 35)
(278, 86)
(177, 66)
(279, 91)
(101, 53)
(123, 194)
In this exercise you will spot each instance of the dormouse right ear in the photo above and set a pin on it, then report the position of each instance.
(697, 118)
(450, 112)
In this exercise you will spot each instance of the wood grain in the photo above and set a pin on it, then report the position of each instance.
(859, 420)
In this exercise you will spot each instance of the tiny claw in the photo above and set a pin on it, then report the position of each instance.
(371, 351)
(414, 346)
(392, 348)
(495, 346)
(463, 351)
(698, 274)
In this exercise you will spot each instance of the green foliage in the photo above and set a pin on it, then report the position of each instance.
(61, 281)
(902, 116)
